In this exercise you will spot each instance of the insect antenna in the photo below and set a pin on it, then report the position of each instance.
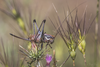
(54, 27)
(19, 37)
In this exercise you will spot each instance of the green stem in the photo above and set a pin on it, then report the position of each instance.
(85, 60)
(73, 63)
(96, 36)
(54, 59)
(64, 61)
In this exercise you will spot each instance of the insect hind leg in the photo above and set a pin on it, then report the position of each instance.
(36, 26)
(34, 21)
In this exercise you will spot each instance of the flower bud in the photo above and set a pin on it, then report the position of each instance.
(48, 59)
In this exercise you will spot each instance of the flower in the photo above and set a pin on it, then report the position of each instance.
(48, 58)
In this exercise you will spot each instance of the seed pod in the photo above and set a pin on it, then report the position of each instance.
(73, 54)
(82, 46)
(14, 12)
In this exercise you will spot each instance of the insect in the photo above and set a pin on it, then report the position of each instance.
(40, 36)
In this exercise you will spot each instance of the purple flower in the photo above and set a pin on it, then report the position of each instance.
(48, 59)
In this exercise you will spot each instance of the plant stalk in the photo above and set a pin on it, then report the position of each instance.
(96, 35)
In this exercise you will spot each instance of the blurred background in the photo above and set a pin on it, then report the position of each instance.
(43, 9)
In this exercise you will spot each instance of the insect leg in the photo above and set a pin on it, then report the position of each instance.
(42, 33)
(43, 26)
(34, 21)
(36, 26)
(41, 46)
(38, 32)
(40, 26)
(49, 45)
